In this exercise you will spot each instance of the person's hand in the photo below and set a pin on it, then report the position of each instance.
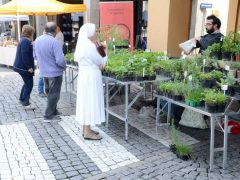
(101, 66)
(30, 70)
(197, 38)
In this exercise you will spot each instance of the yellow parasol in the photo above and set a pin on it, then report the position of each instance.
(40, 7)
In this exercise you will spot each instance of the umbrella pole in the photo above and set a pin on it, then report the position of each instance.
(18, 27)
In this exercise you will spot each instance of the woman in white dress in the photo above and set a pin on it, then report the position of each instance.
(90, 98)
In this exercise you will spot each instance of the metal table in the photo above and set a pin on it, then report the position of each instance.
(69, 81)
(127, 105)
(214, 117)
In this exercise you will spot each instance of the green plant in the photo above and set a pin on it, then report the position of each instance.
(228, 43)
(229, 80)
(216, 47)
(69, 57)
(210, 97)
(195, 95)
(237, 43)
(221, 98)
(235, 65)
(217, 75)
(183, 149)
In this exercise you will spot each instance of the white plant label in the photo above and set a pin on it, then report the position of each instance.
(227, 68)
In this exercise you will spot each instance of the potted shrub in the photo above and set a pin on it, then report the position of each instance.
(228, 47)
(209, 65)
(236, 66)
(182, 150)
(215, 51)
(178, 91)
(215, 102)
(208, 80)
(227, 84)
(210, 101)
(221, 102)
(194, 97)
(237, 47)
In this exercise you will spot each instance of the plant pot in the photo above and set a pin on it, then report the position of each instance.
(227, 56)
(212, 108)
(184, 157)
(230, 91)
(177, 97)
(208, 69)
(238, 74)
(221, 108)
(237, 56)
(173, 148)
(208, 83)
(193, 103)
(236, 89)
(216, 55)
(232, 73)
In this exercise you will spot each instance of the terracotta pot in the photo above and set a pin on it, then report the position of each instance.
(238, 57)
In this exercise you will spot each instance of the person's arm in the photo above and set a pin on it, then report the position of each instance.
(206, 41)
(25, 51)
(95, 57)
(58, 53)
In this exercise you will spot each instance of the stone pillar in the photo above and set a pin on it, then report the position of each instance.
(92, 13)
(40, 24)
(168, 25)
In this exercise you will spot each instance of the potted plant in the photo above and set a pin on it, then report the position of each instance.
(208, 80)
(215, 51)
(236, 67)
(210, 101)
(228, 47)
(194, 97)
(227, 84)
(182, 150)
(221, 102)
(237, 47)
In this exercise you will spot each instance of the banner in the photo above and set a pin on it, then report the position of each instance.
(119, 16)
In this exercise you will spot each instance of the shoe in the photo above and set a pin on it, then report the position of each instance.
(42, 95)
(53, 119)
(57, 113)
(28, 107)
(92, 136)
(95, 132)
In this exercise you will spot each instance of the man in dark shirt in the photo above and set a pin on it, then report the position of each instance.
(213, 35)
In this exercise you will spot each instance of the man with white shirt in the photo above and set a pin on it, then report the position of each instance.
(60, 36)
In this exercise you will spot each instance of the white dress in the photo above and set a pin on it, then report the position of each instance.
(90, 98)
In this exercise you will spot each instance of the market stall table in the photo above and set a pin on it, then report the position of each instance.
(214, 117)
(127, 104)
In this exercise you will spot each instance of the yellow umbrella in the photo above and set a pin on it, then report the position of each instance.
(40, 7)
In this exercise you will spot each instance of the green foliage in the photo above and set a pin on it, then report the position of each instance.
(235, 65)
(195, 95)
(228, 43)
(215, 97)
(229, 80)
(69, 57)
(183, 149)
(217, 75)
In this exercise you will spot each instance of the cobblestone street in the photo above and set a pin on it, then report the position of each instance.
(32, 149)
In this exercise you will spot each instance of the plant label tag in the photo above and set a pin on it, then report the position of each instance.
(190, 78)
(227, 68)
(185, 73)
(204, 62)
(224, 87)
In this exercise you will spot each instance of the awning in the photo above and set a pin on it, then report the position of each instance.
(14, 18)
(40, 7)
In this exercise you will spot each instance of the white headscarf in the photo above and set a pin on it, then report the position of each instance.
(86, 31)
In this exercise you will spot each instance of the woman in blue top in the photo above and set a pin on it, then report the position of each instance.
(24, 63)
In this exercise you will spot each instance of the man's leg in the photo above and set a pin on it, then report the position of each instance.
(46, 85)
(40, 85)
(53, 96)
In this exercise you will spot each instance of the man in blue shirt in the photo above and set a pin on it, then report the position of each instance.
(51, 63)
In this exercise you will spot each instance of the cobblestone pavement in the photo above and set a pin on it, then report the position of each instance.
(32, 149)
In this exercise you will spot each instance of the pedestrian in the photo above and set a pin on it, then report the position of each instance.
(90, 98)
(24, 63)
(212, 25)
(60, 36)
(51, 63)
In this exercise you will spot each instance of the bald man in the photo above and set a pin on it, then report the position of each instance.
(51, 62)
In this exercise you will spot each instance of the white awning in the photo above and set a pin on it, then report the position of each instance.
(14, 18)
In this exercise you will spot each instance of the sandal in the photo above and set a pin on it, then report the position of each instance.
(95, 132)
(92, 136)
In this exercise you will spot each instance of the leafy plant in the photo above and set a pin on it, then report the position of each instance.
(229, 80)
(183, 149)
(235, 65)
(228, 43)
(69, 57)
(195, 95)
(214, 97)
